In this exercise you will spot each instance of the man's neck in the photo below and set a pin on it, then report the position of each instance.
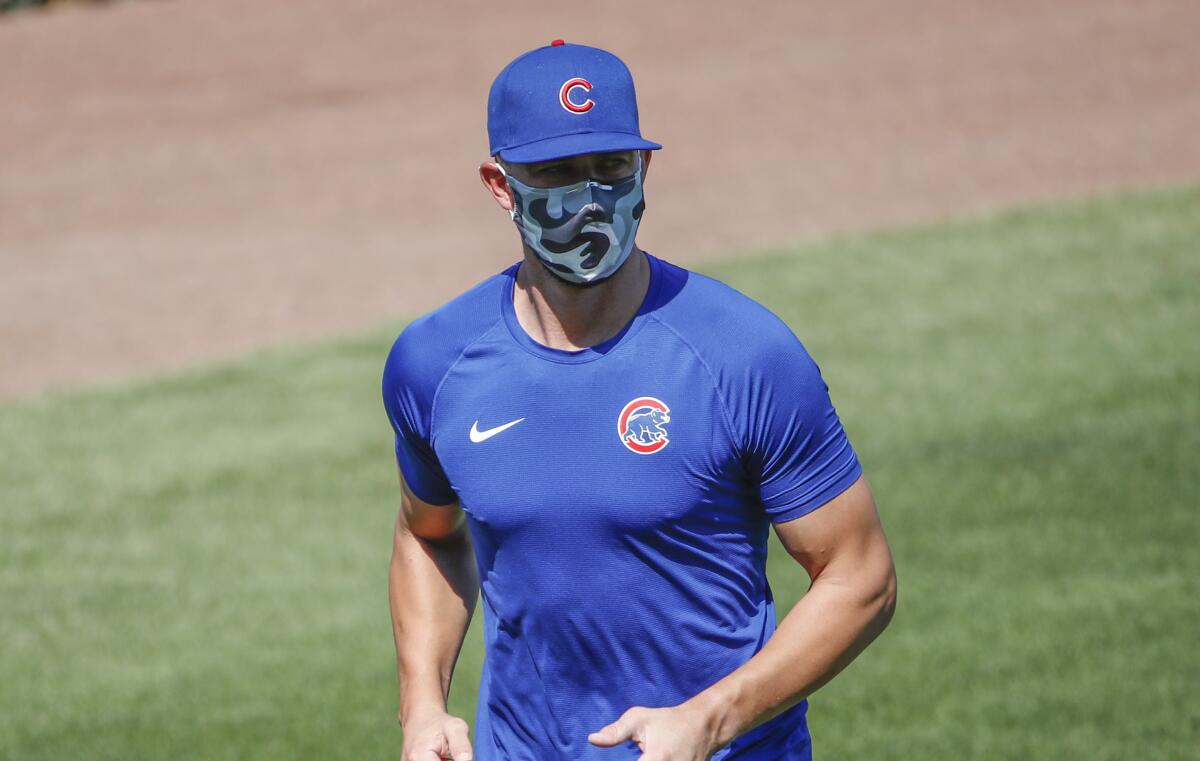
(560, 316)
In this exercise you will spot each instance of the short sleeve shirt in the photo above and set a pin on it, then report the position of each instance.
(618, 500)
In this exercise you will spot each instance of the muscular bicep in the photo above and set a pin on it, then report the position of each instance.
(426, 520)
(842, 538)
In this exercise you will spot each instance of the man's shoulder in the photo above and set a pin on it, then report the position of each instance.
(719, 321)
(430, 344)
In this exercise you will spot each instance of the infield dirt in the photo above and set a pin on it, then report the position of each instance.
(186, 180)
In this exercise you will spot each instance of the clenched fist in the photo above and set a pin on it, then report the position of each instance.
(436, 736)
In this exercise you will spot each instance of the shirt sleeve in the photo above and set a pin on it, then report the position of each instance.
(795, 448)
(410, 382)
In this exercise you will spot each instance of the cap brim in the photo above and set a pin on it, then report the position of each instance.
(575, 145)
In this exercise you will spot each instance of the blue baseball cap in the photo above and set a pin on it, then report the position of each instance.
(563, 100)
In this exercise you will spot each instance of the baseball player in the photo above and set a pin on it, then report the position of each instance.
(600, 441)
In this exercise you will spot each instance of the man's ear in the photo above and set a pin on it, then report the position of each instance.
(493, 180)
(646, 156)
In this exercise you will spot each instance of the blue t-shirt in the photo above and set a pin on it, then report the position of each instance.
(618, 499)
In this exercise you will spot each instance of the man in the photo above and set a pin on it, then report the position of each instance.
(602, 439)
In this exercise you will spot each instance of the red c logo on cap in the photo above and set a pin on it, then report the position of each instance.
(564, 95)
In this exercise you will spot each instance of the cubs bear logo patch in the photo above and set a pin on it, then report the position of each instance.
(642, 425)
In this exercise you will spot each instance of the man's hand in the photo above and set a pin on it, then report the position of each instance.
(436, 736)
(679, 733)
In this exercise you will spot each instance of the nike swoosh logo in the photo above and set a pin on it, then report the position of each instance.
(478, 435)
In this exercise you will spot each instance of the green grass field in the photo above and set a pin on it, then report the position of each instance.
(194, 567)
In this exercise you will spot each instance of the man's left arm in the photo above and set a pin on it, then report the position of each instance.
(853, 594)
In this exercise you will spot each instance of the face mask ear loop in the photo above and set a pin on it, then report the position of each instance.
(512, 213)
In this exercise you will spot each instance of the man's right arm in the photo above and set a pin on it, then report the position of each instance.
(433, 585)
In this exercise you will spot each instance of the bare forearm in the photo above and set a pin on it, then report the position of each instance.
(819, 637)
(433, 586)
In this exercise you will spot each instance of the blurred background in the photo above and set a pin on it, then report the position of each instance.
(187, 179)
(982, 218)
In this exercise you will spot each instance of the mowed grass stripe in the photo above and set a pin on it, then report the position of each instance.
(194, 567)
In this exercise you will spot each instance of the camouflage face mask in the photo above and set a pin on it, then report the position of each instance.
(582, 232)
